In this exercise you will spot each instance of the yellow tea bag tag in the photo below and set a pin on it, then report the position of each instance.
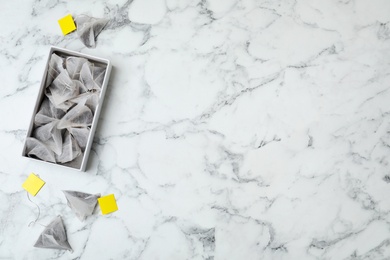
(33, 184)
(107, 204)
(67, 24)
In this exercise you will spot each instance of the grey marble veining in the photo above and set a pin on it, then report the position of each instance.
(230, 130)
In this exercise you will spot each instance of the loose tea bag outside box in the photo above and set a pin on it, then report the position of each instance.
(54, 236)
(82, 204)
(88, 28)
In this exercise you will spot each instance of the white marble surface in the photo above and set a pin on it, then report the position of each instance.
(230, 130)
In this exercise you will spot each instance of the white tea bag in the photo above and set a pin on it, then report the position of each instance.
(56, 66)
(70, 149)
(54, 236)
(65, 106)
(76, 163)
(81, 136)
(50, 135)
(47, 113)
(90, 99)
(37, 149)
(92, 76)
(82, 204)
(73, 66)
(78, 116)
(88, 28)
(63, 88)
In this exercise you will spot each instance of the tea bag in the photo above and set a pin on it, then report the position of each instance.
(76, 163)
(50, 135)
(44, 133)
(47, 113)
(56, 66)
(46, 121)
(74, 65)
(90, 99)
(92, 76)
(88, 28)
(63, 88)
(70, 149)
(81, 136)
(98, 75)
(78, 116)
(37, 149)
(54, 236)
(82, 204)
(65, 106)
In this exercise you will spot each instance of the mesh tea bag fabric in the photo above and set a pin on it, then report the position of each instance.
(56, 66)
(65, 106)
(81, 136)
(50, 135)
(92, 76)
(37, 149)
(46, 130)
(54, 236)
(47, 113)
(44, 133)
(88, 28)
(63, 88)
(98, 75)
(70, 149)
(82, 204)
(90, 99)
(73, 66)
(78, 116)
(76, 163)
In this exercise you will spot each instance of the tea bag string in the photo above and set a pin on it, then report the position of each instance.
(39, 212)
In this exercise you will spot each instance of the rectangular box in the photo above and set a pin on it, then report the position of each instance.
(100, 63)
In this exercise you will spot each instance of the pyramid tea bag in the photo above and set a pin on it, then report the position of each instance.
(65, 106)
(76, 163)
(74, 65)
(54, 236)
(47, 113)
(37, 149)
(51, 136)
(56, 66)
(63, 88)
(90, 99)
(92, 76)
(78, 116)
(81, 136)
(88, 28)
(70, 149)
(82, 204)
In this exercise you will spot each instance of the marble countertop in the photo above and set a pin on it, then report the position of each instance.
(230, 130)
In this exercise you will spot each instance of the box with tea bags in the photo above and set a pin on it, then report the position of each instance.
(67, 109)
